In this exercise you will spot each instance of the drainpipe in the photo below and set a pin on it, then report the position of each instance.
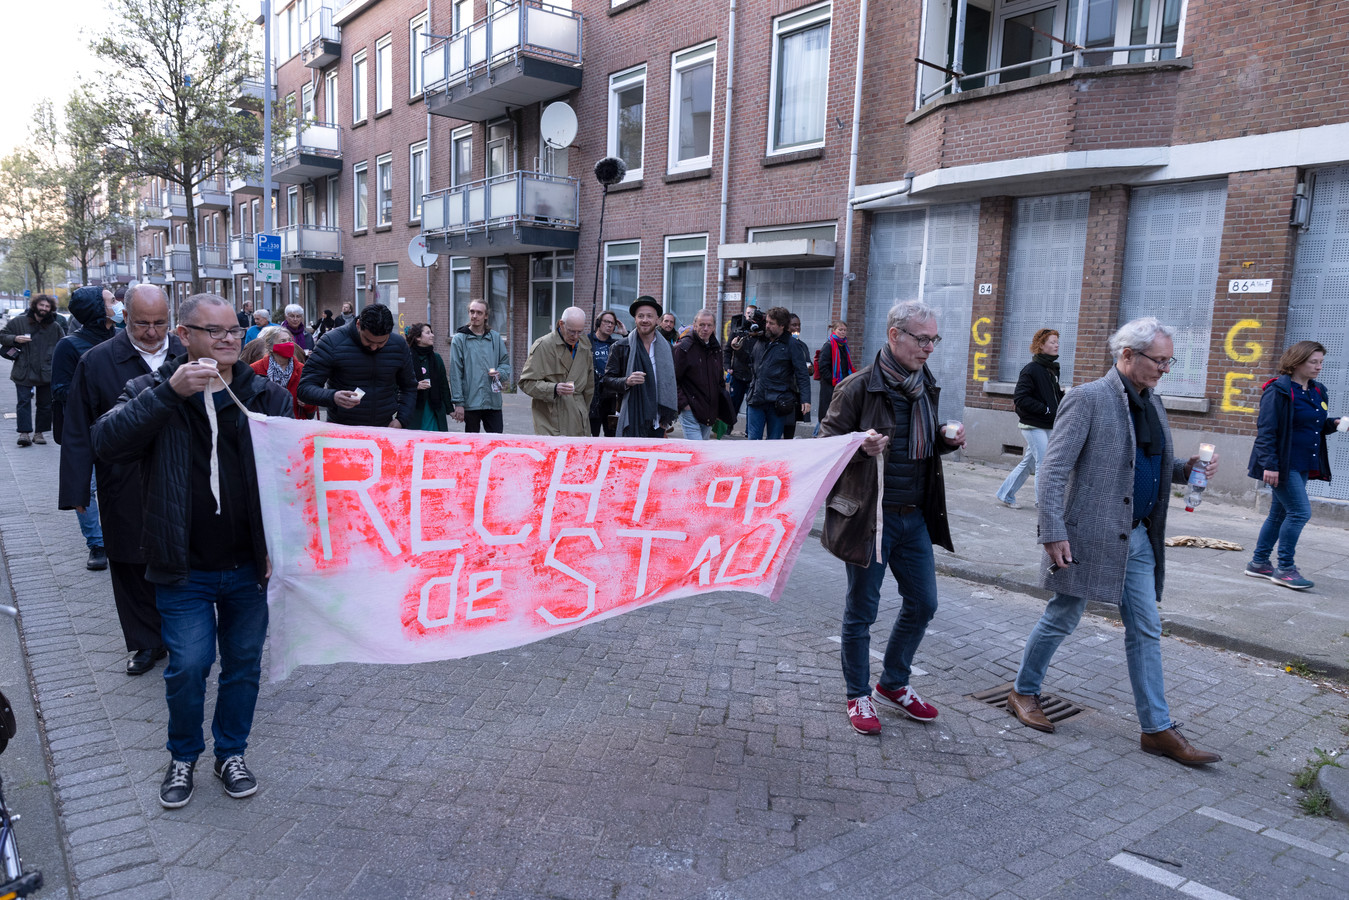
(888, 192)
(726, 165)
(848, 275)
(959, 62)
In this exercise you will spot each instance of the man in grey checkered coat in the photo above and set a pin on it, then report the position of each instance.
(1103, 489)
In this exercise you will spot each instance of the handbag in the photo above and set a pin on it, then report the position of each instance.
(12, 352)
(785, 405)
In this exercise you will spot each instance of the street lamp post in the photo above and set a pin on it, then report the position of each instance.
(266, 19)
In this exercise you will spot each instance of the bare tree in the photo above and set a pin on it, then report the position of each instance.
(163, 107)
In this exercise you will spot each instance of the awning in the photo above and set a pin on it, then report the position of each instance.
(797, 250)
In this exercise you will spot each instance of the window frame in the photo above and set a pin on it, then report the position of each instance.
(619, 82)
(695, 57)
(417, 192)
(332, 203)
(458, 137)
(384, 74)
(358, 76)
(612, 257)
(684, 255)
(361, 285)
(380, 270)
(330, 96)
(418, 24)
(784, 26)
(360, 213)
(383, 192)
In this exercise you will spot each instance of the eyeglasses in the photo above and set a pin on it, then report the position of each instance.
(1161, 363)
(146, 326)
(924, 340)
(215, 332)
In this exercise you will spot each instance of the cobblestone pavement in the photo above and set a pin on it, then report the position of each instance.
(693, 749)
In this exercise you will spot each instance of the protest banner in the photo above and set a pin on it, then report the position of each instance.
(395, 546)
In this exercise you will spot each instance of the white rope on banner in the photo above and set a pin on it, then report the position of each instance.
(208, 398)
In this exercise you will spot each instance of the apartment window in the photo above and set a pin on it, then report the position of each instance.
(691, 82)
(330, 97)
(551, 290)
(685, 275)
(499, 136)
(462, 15)
(292, 205)
(307, 102)
(384, 189)
(461, 281)
(358, 276)
(799, 79)
(417, 184)
(461, 156)
(383, 74)
(361, 192)
(257, 216)
(309, 204)
(627, 113)
(358, 87)
(417, 42)
(621, 260)
(386, 284)
(331, 218)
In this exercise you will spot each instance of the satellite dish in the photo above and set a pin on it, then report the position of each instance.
(557, 125)
(610, 170)
(417, 252)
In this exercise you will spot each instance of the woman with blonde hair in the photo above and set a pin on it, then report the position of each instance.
(1037, 401)
(1290, 449)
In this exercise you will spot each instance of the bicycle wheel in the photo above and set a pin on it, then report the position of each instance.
(9, 848)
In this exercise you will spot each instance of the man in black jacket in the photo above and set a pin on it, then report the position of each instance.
(363, 373)
(781, 380)
(139, 349)
(203, 534)
(698, 373)
(743, 334)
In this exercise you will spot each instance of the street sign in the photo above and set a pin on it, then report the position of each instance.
(28, 294)
(269, 258)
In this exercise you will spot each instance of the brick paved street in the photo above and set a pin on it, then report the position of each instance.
(692, 749)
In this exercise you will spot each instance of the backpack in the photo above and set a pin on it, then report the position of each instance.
(815, 369)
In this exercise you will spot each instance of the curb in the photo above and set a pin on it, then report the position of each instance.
(1334, 780)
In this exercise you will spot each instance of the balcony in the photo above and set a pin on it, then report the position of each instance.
(243, 253)
(320, 39)
(524, 212)
(118, 272)
(309, 249)
(211, 194)
(178, 263)
(213, 261)
(529, 52)
(310, 151)
(247, 177)
(173, 205)
(152, 218)
(153, 267)
(251, 91)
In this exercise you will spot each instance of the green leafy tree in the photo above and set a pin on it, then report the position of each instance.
(162, 107)
(30, 218)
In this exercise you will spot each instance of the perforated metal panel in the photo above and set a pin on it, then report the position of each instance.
(1318, 308)
(807, 292)
(926, 254)
(1044, 279)
(1171, 271)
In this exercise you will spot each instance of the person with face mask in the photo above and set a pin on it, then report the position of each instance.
(35, 335)
(280, 366)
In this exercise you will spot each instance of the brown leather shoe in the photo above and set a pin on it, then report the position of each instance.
(1173, 744)
(1027, 708)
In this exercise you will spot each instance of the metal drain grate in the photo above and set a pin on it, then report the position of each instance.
(1056, 708)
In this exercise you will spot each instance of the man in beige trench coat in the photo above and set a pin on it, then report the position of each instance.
(559, 376)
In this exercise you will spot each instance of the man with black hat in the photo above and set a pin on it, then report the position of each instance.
(641, 374)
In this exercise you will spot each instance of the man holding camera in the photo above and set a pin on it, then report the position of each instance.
(781, 379)
(745, 331)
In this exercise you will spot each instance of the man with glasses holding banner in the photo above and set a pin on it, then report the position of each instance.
(202, 532)
(103, 370)
(1103, 492)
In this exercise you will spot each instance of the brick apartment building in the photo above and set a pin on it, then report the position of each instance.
(1184, 158)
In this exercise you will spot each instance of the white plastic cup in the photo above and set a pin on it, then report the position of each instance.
(1206, 453)
(360, 394)
(209, 363)
(1344, 424)
(952, 429)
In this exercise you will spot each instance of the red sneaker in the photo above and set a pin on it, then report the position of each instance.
(863, 716)
(907, 702)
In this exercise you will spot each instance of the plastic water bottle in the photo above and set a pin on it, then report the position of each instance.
(1198, 479)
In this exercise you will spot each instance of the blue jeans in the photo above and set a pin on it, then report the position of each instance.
(757, 418)
(1142, 636)
(228, 606)
(90, 527)
(1289, 510)
(1037, 441)
(907, 551)
(24, 407)
(693, 429)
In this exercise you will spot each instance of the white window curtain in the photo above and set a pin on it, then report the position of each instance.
(803, 76)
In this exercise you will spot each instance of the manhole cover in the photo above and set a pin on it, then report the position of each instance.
(1056, 708)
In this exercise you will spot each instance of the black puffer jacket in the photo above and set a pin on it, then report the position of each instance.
(779, 368)
(150, 425)
(340, 362)
(1037, 395)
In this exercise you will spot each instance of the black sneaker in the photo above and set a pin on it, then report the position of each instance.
(239, 782)
(176, 789)
(98, 559)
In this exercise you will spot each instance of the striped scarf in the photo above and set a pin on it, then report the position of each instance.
(913, 386)
(842, 359)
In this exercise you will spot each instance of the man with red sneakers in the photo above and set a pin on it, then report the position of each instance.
(895, 399)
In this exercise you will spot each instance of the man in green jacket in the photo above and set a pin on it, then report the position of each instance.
(479, 366)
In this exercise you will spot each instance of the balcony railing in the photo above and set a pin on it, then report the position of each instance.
(153, 267)
(178, 263)
(307, 152)
(153, 217)
(211, 194)
(173, 205)
(243, 247)
(529, 30)
(213, 256)
(250, 92)
(320, 39)
(518, 198)
(311, 242)
(246, 177)
(116, 271)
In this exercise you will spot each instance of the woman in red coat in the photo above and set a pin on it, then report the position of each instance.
(280, 366)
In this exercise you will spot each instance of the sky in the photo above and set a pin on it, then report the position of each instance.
(46, 55)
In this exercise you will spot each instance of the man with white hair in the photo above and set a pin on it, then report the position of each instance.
(895, 399)
(1104, 484)
(559, 376)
